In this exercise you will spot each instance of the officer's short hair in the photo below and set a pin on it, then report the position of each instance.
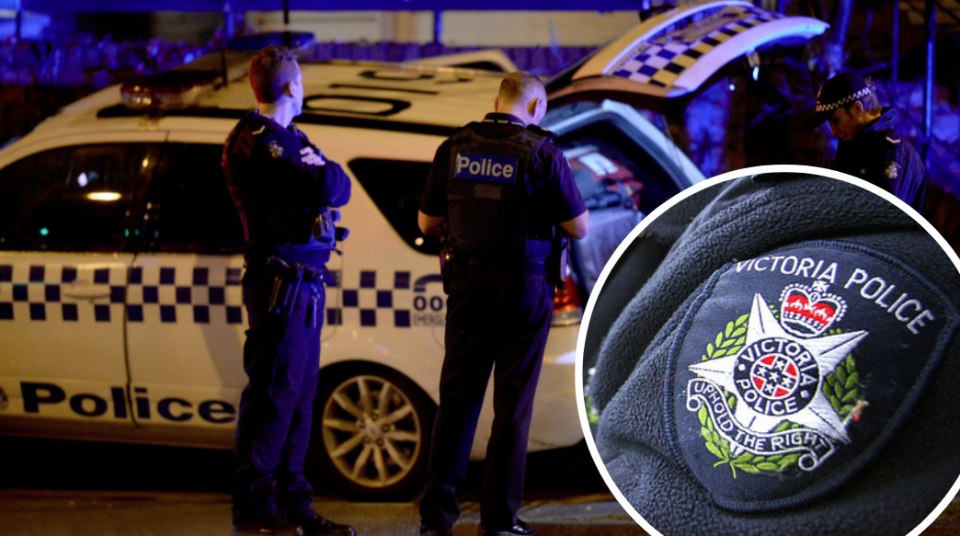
(270, 70)
(519, 85)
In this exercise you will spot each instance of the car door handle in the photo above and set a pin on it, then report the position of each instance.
(86, 291)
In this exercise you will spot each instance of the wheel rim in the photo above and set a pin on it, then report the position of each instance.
(371, 431)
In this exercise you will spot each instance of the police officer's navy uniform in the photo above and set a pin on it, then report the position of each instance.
(883, 157)
(502, 187)
(280, 200)
(779, 355)
(878, 154)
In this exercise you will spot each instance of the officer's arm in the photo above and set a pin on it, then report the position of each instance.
(336, 185)
(434, 197)
(325, 185)
(562, 192)
(430, 225)
(577, 227)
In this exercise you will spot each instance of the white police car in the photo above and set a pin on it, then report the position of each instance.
(120, 304)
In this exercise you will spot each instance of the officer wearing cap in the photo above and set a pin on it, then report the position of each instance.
(502, 187)
(283, 188)
(870, 147)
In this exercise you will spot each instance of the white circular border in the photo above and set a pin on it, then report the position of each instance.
(615, 258)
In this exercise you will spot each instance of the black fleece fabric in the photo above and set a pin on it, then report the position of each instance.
(742, 219)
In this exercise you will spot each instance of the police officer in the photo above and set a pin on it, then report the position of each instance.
(501, 186)
(870, 147)
(283, 188)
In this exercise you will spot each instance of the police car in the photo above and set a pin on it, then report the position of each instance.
(120, 260)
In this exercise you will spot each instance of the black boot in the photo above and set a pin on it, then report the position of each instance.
(317, 525)
(521, 528)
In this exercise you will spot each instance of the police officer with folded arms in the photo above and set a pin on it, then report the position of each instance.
(504, 194)
(284, 190)
(870, 146)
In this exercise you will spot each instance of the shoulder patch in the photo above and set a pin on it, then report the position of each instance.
(792, 369)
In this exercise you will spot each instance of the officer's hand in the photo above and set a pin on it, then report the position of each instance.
(311, 158)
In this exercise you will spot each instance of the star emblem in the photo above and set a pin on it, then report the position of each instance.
(800, 399)
(276, 150)
(892, 171)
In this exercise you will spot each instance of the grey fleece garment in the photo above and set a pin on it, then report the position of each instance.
(893, 491)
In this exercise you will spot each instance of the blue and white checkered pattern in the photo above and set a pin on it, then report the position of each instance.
(661, 61)
(40, 289)
(371, 301)
(200, 295)
(204, 296)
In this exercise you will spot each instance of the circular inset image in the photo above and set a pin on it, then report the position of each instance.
(776, 351)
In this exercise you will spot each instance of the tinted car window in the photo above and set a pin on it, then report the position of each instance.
(395, 187)
(189, 206)
(78, 198)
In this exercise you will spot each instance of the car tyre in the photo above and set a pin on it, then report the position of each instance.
(371, 434)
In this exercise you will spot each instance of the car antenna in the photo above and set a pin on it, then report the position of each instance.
(228, 31)
(286, 24)
(223, 64)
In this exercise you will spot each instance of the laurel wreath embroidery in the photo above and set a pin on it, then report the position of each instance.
(841, 387)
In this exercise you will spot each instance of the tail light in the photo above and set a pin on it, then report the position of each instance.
(566, 304)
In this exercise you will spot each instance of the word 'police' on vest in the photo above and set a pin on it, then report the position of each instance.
(482, 167)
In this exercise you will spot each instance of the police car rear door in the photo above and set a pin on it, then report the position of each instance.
(68, 217)
(675, 53)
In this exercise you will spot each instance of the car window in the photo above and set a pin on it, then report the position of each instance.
(189, 206)
(77, 198)
(395, 187)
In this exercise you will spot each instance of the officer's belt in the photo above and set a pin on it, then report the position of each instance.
(305, 273)
(527, 266)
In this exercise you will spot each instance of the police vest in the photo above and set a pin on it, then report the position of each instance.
(488, 191)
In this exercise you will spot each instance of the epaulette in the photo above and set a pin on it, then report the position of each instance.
(265, 126)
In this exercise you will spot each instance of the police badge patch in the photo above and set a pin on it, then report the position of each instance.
(276, 150)
(892, 170)
(790, 370)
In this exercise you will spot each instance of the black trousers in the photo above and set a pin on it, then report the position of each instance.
(499, 320)
(282, 359)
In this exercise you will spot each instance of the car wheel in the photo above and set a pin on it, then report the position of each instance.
(371, 434)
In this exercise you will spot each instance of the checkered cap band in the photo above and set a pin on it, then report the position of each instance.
(849, 99)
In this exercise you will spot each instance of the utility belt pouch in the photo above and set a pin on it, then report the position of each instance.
(326, 230)
(449, 261)
(286, 285)
(556, 263)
